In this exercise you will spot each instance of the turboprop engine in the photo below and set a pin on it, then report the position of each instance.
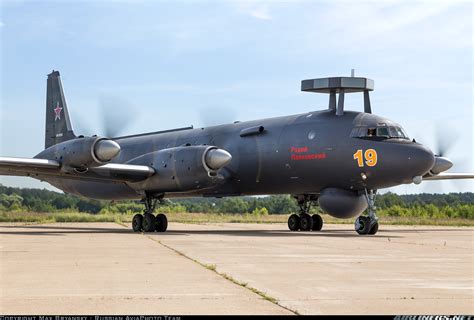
(341, 203)
(82, 152)
(182, 169)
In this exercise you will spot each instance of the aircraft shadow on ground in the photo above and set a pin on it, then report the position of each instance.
(274, 233)
(57, 230)
(35, 230)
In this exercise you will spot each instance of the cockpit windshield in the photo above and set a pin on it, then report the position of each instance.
(379, 133)
(397, 132)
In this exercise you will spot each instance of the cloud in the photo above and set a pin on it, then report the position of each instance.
(2, 24)
(382, 24)
(259, 10)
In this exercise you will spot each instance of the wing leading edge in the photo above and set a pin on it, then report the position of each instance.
(44, 167)
(449, 176)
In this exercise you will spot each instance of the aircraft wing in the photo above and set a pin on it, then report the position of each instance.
(449, 176)
(43, 167)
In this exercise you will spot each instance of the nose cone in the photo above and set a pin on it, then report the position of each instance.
(441, 164)
(106, 150)
(217, 158)
(423, 160)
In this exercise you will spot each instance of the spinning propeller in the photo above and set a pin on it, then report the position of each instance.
(115, 115)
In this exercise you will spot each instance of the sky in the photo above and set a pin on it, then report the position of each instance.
(180, 63)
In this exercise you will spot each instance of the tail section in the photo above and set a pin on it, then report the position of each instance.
(58, 124)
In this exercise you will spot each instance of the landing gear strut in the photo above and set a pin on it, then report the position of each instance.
(147, 221)
(368, 225)
(304, 221)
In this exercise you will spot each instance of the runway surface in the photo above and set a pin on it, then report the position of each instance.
(90, 268)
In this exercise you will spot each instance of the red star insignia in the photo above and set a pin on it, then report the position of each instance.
(57, 112)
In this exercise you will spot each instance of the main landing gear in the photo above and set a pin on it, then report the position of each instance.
(368, 225)
(147, 221)
(304, 221)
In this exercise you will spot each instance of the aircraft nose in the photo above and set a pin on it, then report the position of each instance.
(423, 159)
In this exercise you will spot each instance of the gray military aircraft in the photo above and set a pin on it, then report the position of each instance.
(335, 158)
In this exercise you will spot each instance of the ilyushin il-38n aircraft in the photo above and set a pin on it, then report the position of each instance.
(335, 158)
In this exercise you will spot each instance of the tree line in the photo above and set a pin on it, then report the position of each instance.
(423, 205)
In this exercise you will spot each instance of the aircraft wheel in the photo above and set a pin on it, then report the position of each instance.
(148, 223)
(317, 222)
(306, 222)
(137, 222)
(375, 228)
(362, 225)
(161, 223)
(294, 222)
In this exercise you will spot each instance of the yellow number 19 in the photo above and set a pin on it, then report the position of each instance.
(370, 156)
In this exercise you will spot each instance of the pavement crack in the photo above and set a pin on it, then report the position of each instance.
(213, 268)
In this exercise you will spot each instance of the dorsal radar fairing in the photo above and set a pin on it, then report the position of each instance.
(340, 86)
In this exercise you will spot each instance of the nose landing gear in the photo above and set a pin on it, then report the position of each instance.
(304, 221)
(368, 225)
(147, 221)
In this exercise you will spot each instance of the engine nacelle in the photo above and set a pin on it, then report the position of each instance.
(183, 169)
(341, 203)
(83, 152)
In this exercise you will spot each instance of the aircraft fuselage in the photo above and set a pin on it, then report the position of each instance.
(297, 154)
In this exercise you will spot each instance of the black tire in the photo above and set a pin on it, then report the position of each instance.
(294, 222)
(317, 222)
(148, 223)
(362, 225)
(375, 228)
(161, 223)
(137, 222)
(306, 222)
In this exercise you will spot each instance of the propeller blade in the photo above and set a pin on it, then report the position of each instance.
(81, 126)
(116, 115)
(445, 140)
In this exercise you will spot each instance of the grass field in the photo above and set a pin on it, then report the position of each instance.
(31, 217)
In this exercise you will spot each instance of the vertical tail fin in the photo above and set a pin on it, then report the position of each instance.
(58, 124)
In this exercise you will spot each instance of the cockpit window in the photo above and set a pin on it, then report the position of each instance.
(371, 132)
(383, 132)
(379, 133)
(397, 132)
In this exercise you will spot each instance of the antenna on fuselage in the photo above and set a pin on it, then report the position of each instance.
(340, 86)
